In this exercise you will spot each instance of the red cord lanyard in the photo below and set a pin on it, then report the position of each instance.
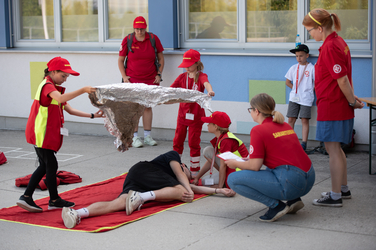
(297, 77)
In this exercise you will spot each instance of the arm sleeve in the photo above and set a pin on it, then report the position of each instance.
(335, 62)
(123, 51)
(158, 44)
(257, 144)
(177, 82)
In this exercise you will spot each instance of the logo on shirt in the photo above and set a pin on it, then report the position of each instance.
(337, 68)
(251, 149)
(283, 133)
(121, 48)
(135, 47)
(306, 73)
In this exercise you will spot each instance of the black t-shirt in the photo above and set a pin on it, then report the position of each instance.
(163, 161)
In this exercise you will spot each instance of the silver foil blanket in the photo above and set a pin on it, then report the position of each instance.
(124, 103)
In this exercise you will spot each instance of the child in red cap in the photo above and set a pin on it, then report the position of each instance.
(224, 141)
(45, 130)
(190, 113)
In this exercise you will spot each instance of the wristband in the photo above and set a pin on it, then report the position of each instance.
(353, 104)
(92, 116)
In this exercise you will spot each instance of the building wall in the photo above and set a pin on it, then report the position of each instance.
(229, 76)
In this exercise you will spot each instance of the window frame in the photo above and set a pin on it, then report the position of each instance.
(103, 41)
(240, 43)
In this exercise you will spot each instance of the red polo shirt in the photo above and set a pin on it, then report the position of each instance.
(141, 63)
(333, 63)
(193, 108)
(278, 145)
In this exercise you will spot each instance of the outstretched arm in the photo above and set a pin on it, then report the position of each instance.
(61, 98)
(209, 190)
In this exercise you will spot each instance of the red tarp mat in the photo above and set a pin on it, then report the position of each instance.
(83, 196)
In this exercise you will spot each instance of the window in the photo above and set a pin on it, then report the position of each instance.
(78, 23)
(121, 14)
(271, 21)
(37, 19)
(213, 19)
(355, 24)
(267, 24)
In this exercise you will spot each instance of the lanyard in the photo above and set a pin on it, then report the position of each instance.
(297, 77)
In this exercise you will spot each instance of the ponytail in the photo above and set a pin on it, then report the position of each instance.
(200, 67)
(265, 104)
(321, 17)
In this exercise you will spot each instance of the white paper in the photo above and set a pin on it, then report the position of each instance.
(229, 155)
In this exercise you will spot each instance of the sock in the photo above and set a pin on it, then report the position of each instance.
(135, 134)
(148, 196)
(147, 132)
(304, 142)
(344, 188)
(335, 196)
(83, 212)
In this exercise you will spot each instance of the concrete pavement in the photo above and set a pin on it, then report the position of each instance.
(213, 222)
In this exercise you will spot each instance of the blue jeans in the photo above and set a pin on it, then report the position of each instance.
(271, 185)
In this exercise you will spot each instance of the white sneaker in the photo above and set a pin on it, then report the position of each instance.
(133, 202)
(149, 141)
(137, 142)
(70, 217)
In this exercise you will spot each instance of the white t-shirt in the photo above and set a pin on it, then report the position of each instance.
(304, 95)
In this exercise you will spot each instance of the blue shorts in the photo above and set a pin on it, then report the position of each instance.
(335, 131)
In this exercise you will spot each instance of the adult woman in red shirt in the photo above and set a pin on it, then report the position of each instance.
(335, 100)
(141, 68)
(289, 174)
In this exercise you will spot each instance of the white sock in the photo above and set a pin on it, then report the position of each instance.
(83, 212)
(335, 196)
(148, 196)
(344, 188)
(147, 132)
(135, 134)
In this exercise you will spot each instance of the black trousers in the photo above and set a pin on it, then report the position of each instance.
(47, 166)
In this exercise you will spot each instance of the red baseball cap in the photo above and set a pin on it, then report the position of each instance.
(189, 58)
(139, 23)
(62, 64)
(219, 118)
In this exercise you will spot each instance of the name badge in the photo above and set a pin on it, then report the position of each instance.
(64, 131)
(189, 116)
(295, 99)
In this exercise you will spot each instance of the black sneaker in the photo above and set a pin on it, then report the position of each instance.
(59, 203)
(295, 205)
(344, 195)
(274, 213)
(28, 204)
(328, 202)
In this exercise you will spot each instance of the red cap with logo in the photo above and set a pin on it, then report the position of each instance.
(219, 118)
(58, 63)
(139, 23)
(189, 58)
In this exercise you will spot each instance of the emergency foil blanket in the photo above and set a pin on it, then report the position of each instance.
(124, 103)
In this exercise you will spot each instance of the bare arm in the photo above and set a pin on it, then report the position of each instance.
(160, 69)
(209, 88)
(121, 60)
(61, 98)
(250, 164)
(289, 83)
(222, 173)
(209, 190)
(348, 91)
(76, 112)
(183, 179)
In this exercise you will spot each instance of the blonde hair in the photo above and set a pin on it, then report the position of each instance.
(323, 17)
(222, 130)
(265, 104)
(200, 67)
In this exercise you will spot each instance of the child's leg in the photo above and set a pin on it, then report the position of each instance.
(194, 139)
(305, 129)
(291, 121)
(292, 113)
(180, 135)
(51, 165)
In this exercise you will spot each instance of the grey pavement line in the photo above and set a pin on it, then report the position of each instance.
(27, 153)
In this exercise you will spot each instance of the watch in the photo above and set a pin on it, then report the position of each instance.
(353, 104)
(160, 75)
